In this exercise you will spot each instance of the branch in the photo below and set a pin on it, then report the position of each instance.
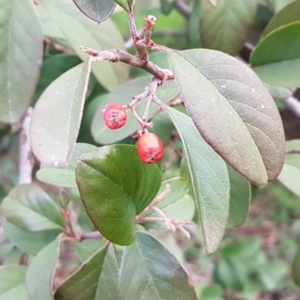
(26, 160)
(182, 8)
(293, 104)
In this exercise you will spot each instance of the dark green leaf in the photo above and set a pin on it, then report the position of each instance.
(30, 208)
(21, 51)
(210, 180)
(63, 101)
(97, 10)
(115, 186)
(12, 282)
(276, 58)
(232, 110)
(123, 94)
(39, 278)
(225, 26)
(296, 268)
(167, 6)
(240, 197)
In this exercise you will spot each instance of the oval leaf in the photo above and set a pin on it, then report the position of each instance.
(53, 142)
(232, 110)
(115, 186)
(21, 51)
(97, 10)
(209, 178)
(39, 278)
(30, 208)
(276, 58)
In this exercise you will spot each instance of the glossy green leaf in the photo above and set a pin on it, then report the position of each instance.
(39, 278)
(21, 52)
(123, 94)
(296, 268)
(97, 10)
(288, 15)
(178, 204)
(240, 198)
(65, 176)
(209, 180)
(232, 110)
(30, 208)
(276, 58)
(29, 242)
(12, 282)
(115, 186)
(224, 27)
(63, 101)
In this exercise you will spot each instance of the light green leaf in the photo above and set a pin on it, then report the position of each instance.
(209, 180)
(277, 5)
(225, 27)
(296, 268)
(53, 141)
(276, 58)
(123, 94)
(125, 4)
(232, 110)
(115, 186)
(21, 52)
(289, 177)
(39, 278)
(214, 3)
(278, 92)
(30, 208)
(12, 282)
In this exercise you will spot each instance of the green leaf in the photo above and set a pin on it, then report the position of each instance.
(278, 92)
(30, 208)
(125, 4)
(97, 10)
(276, 58)
(167, 6)
(39, 278)
(225, 27)
(277, 5)
(287, 15)
(123, 94)
(12, 282)
(240, 198)
(212, 292)
(177, 205)
(29, 242)
(209, 180)
(63, 101)
(65, 176)
(232, 110)
(296, 268)
(21, 51)
(214, 3)
(115, 186)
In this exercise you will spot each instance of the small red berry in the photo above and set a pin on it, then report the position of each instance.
(114, 116)
(150, 148)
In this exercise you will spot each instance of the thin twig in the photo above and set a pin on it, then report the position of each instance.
(182, 8)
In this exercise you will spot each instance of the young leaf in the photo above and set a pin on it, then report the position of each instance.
(209, 180)
(39, 278)
(240, 197)
(21, 51)
(30, 208)
(232, 110)
(225, 26)
(97, 10)
(123, 94)
(12, 282)
(276, 58)
(115, 186)
(53, 142)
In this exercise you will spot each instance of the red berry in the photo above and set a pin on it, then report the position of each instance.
(150, 148)
(114, 116)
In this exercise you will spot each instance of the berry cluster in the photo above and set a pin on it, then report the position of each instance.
(150, 147)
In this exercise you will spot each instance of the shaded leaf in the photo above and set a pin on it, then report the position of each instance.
(123, 94)
(209, 178)
(115, 186)
(39, 278)
(12, 282)
(232, 110)
(53, 142)
(276, 58)
(97, 10)
(30, 208)
(224, 27)
(278, 92)
(21, 51)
